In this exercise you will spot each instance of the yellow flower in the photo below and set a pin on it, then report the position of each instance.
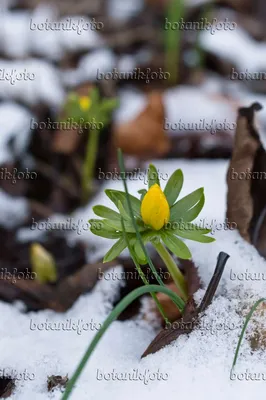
(84, 102)
(155, 210)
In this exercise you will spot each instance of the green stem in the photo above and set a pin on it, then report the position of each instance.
(89, 163)
(143, 277)
(175, 272)
(121, 306)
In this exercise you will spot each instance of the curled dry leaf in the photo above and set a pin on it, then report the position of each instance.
(144, 136)
(246, 180)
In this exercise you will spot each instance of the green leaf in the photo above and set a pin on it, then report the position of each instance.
(106, 212)
(123, 212)
(115, 196)
(152, 176)
(141, 258)
(195, 211)
(176, 246)
(181, 225)
(100, 228)
(193, 235)
(115, 250)
(146, 237)
(106, 234)
(174, 186)
(109, 105)
(189, 207)
(142, 192)
(128, 225)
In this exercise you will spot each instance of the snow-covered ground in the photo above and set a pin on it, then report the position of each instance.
(197, 365)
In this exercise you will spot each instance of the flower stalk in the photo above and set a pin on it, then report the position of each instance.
(175, 272)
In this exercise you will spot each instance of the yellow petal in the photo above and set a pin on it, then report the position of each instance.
(84, 102)
(155, 210)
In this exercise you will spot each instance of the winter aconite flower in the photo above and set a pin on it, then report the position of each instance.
(159, 218)
(155, 210)
(90, 113)
(85, 103)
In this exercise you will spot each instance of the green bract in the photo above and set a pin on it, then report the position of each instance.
(182, 212)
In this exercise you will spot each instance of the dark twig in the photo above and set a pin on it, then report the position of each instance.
(211, 289)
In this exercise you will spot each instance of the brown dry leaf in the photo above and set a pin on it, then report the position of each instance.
(181, 326)
(144, 136)
(246, 188)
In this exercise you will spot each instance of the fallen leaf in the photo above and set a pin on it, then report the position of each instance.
(144, 136)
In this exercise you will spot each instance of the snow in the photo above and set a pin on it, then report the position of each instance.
(22, 33)
(197, 365)
(252, 58)
(122, 10)
(131, 103)
(181, 100)
(15, 125)
(14, 210)
(31, 81)
(102, 60)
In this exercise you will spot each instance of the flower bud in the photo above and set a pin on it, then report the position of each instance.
(155, 210)
(43, 264)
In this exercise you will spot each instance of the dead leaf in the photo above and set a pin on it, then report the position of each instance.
(246, 181)
(144, 136)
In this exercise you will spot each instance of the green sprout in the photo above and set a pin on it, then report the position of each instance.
(175, 11)
(241, 337)
(90, 109)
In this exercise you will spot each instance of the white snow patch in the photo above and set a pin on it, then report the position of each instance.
(240, 48)
(124, 9)
(31, 81)
(207, 111)
(14, 210)
(24, 33)
(15, 125)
